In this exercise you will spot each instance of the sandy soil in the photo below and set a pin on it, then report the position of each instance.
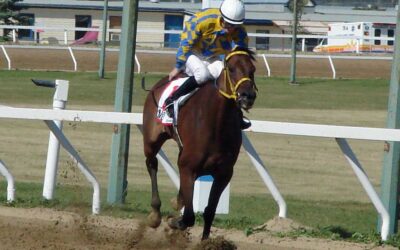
(41, 228)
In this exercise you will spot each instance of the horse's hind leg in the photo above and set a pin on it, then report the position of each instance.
(177, 202)
(217, 188)
(186, 195)
(150, 151)
(154, 218)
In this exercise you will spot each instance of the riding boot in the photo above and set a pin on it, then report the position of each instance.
(189, 85)
(244, 121)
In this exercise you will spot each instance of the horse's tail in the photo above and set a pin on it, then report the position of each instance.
(158, 85)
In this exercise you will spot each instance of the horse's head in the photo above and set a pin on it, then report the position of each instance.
(239, 78)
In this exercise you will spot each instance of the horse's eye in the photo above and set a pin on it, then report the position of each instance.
(231, 70)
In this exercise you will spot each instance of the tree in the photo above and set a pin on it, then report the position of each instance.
(300, 9)
(9, 15)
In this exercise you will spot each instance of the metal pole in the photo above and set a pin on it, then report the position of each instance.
(294, 38)
(390, 171)
(103, 41)
(117, 183)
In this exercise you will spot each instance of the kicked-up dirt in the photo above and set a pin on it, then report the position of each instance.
(42, 228)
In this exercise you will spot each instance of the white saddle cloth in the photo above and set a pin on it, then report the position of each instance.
(162, 115)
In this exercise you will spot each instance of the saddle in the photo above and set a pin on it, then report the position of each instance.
(162, 114)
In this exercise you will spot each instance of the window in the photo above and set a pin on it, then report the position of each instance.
(115, 23)
(377, 34)
(82, 21)
(172, 22)
(28, 20)
(390, 34)
(262, 43)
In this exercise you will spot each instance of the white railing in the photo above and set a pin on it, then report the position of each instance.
(66, 31)
(339, 133)
(70, 50)
(10, 181)
(137, 61)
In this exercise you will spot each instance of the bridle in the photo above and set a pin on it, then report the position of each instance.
(228, 82)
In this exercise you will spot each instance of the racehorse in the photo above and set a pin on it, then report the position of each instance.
(209, 128)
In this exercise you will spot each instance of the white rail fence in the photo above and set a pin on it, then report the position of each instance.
(303, 39)
(66, 31)
(264, 56)
(339, 133)
(69, 49)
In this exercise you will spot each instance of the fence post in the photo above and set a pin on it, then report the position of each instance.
(65, 37)
(332, 67)
(14, 36)
(59, 102)
(267, 65)
(390, 170)
(73, 58)
(10, 182)
(7, 57)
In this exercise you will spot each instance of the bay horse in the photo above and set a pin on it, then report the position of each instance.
(209, 127)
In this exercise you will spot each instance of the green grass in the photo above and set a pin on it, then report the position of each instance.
(323, 94)
(88, 89)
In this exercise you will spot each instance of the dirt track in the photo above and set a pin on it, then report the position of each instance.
(41, 228)
(41, 59)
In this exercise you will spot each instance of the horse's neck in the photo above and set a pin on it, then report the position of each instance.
(214, 97)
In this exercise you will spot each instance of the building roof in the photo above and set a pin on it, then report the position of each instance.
(256, 10)
(112, 5)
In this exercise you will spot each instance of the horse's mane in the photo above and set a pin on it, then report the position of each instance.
(251, 53)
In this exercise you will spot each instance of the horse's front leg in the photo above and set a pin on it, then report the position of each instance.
(217, 188)
(154, 218)
(186, 194)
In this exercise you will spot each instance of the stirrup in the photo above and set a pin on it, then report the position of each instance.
(170, 109)
(245, 123)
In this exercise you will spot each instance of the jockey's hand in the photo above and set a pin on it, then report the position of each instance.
(174, 73)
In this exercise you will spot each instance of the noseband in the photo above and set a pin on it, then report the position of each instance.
(228, 82)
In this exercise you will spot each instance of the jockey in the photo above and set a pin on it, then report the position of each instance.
(207, 37)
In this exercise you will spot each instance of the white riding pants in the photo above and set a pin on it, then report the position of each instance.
(203, 70)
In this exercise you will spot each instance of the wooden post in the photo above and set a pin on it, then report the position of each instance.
(117, 183)
(294, 38)
(103, 40)
(390, 171)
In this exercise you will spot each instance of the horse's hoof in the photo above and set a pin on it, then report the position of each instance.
(154, 220)
(176, 223)
(205, 236)
(176, 205)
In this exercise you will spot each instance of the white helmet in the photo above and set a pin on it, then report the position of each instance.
(233, 11)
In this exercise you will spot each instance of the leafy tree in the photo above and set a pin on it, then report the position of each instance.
(9, 15)
(300, 9)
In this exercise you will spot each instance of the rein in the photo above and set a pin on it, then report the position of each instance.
(233, 87)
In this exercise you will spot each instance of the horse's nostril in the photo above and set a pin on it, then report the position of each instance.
(250, 95)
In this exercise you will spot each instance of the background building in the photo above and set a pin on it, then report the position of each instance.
(63, 19)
